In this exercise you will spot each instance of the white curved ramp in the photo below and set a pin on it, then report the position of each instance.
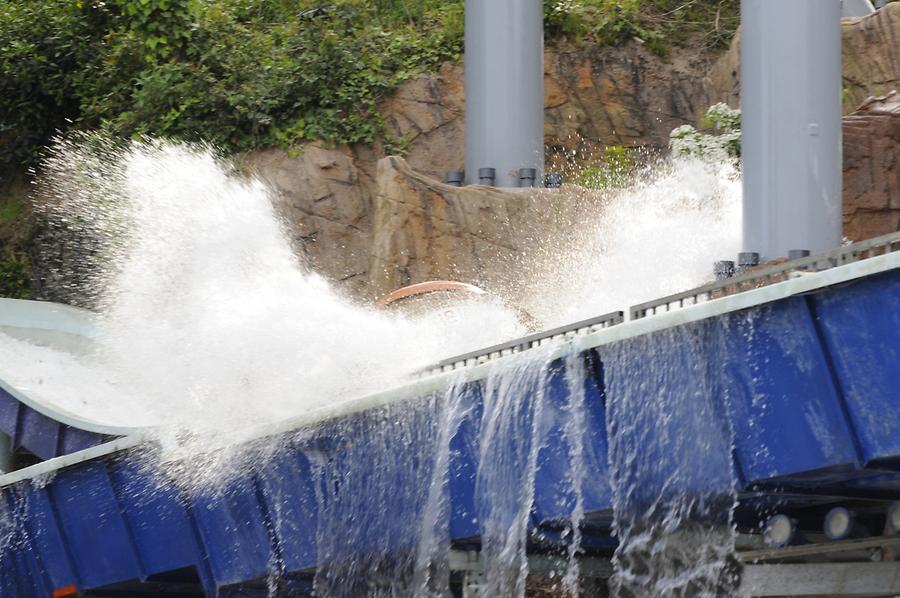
(36, 417)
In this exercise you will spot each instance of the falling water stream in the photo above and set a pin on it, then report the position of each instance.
(206, 320)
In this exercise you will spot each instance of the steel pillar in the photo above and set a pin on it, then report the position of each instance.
(791, 124)
(504, 80)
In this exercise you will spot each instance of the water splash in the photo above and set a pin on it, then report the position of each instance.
(206, 318)
(657, 237)
(207, 321)
(372, 503)
(672, 517)
(510, 440)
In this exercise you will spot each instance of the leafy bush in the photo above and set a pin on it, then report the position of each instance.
(13, 280)
(250, 73)
(9, 210)
(611, 171)
(657, 23)
(238, 73)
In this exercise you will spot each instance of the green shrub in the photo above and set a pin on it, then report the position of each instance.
(613, 170)
(249, 73)
(238, 73)
(9, 210)
(14, 281)
(657, 23)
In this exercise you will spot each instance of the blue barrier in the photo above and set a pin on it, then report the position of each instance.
(781, 401)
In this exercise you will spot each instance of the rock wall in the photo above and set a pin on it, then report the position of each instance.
(426, 230)
(368, 229)
(872, 168)
(594, 97)
(371, 229)
(325, 199)
(871, 56)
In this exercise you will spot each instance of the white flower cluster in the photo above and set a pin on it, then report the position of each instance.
(722, 142)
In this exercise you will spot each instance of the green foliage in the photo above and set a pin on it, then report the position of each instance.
(611, 171)
(162, 26)
(657, 23)
(9, 210)
(721, 140)
(14, 281)
(43, 49)
(237, 73)
(249, 73)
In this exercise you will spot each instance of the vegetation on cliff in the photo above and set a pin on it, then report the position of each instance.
(251, 73)
(245, 74)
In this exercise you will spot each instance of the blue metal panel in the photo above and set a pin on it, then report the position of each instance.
(38, 433)
(74, 440)
(463, 464)
(289, 497)
(232, 529)
(9, 413)
(786, 412)
(100, 543)
(861, 327)
(669, 435)
(40, 525)
(156, 517)
(20, 568)
(555, 493)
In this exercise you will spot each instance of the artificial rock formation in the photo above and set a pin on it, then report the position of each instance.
(371, 227)
(871, 60)
(368, 229)
(333, 198)
(325, 200)
(872, 168)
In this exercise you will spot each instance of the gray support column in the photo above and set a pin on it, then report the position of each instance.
(791, 124)
(504, 78)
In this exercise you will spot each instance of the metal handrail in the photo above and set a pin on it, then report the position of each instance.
(764, 276)
(753, 279)
(527, 342)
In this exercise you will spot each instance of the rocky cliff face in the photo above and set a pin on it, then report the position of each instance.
(871, 60)
(385, 231)
(872, 168)
(370, 228)
(426, 230)
(335, 199)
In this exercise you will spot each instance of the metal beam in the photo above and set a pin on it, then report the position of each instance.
(821, 580)
(809, 550)
(538, 564)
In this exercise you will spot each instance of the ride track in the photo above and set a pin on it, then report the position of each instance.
(822, 335)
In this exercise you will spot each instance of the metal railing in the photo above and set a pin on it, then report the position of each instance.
(761, 276)
(527, 342)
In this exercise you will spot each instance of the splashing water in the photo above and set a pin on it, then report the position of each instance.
(206, 323)
(206, 319)
(510, 440)
(672, 517)
(658, 237)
